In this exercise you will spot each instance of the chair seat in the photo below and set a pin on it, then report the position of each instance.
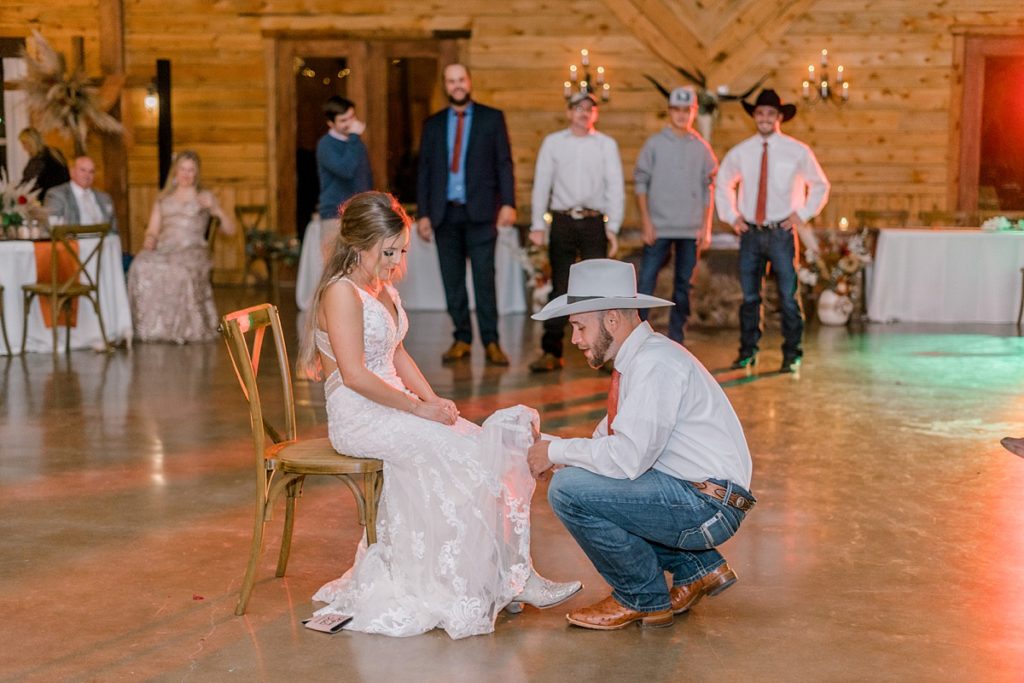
(317, 456)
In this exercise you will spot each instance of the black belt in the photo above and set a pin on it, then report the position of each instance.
(766, 226)
(578, 213)
(710, 488)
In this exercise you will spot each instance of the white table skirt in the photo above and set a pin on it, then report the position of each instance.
(18, 267)
(946, 276)
(421, 288)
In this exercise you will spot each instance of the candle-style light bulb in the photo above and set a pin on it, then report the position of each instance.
(568, 90)
(606, 92)
(843, 223)
(584, 86)
(807, 89)
(824, 58)
(846, 91)
(810, 73)
(573, 75)
(839, 74)
(600, 75)
(585, 56)
(824, 89)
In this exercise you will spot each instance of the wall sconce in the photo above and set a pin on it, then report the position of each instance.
(151, 101)
(581, 81)
(817, 87)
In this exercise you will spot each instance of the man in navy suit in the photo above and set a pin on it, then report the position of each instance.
(465, 189)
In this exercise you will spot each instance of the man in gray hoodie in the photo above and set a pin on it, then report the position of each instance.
(673, 180)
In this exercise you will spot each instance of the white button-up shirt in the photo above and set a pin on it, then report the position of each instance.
(89, 212)
(578, 172)
(796, 182)
(672, 416)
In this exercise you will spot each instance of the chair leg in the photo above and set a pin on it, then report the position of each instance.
(373, 483)
(99, 317)
(54, 311)
(26, 306)
(1020, 311)
(3, 328)
(254, 558)
(289, 526)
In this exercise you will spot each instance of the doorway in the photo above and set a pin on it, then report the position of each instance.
(990, 173)
(395, 85)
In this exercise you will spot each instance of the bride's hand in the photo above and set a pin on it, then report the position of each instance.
(439, 410)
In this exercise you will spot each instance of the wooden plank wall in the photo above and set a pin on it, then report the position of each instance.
(887, 149)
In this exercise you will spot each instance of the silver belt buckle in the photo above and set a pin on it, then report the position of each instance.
(576, 213)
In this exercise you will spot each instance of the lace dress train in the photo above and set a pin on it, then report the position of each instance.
(453, 526)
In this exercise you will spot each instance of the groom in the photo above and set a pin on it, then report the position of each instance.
(665, 477)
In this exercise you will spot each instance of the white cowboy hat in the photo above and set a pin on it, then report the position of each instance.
(599, 284)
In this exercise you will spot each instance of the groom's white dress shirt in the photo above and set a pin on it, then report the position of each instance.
(672, 416)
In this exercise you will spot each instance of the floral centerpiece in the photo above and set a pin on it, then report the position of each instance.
(1002, 224)
(835, 261)
(18, 202)
(534, 261)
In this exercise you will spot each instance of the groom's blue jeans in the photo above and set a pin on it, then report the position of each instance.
(634, 531)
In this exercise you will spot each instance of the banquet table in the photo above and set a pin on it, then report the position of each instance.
(946, 276)
(421, 288)
(18, 267)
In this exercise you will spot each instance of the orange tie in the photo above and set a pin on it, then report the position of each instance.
(460, 117)
(762, 187)
(613, 400)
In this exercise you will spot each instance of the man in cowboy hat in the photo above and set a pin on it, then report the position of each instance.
(769, 186)
(666, 475)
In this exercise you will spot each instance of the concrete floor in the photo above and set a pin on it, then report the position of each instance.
(887, 544)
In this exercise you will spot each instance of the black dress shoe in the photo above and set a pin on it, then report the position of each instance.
(744, 360)
(790, 364)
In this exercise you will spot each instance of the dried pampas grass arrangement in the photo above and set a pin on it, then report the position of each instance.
(66, 100)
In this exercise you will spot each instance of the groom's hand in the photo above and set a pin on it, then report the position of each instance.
(538, 459)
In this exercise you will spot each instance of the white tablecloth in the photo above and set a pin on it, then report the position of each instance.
(946, 276)
(18, 267)
(421, 288)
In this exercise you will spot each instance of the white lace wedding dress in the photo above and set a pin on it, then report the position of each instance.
(453, 528)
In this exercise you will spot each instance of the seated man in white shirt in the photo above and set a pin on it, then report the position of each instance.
(665, 477)
(77, 202)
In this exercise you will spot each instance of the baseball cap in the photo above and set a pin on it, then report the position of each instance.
(581, 96)
(684, 96)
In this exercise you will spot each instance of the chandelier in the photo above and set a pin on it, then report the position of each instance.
(580, 80)
(818, 88)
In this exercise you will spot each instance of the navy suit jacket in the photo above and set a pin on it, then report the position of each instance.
(489, 180)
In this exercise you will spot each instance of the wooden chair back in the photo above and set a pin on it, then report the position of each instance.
(66, 283)
(949, 219)
(888, 218)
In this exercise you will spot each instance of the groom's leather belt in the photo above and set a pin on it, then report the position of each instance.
(766, 226)
(710, 488)
(578, 213)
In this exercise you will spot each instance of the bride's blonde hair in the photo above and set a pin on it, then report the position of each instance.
(367, 219)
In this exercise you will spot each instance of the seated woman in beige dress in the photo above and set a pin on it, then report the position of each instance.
(169, 280)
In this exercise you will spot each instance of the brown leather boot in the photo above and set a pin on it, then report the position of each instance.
(494, 354)
(457, 351)
(609, 615)
(686, 596)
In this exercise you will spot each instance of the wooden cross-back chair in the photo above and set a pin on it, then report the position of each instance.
(69, 277)
(282, 460)
(882, 218)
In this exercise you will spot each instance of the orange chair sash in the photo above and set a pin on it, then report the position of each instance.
(66, 267)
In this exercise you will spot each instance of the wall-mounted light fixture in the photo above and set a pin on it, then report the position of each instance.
(151, 101)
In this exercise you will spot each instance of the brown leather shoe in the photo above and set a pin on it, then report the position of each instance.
(609, 615)
(686, 596)
(546, 363)
(494, 354)
(457, 351)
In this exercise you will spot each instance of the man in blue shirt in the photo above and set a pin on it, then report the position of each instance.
(343, 166)
(465, 189)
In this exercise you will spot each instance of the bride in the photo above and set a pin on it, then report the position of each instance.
(453, 527)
